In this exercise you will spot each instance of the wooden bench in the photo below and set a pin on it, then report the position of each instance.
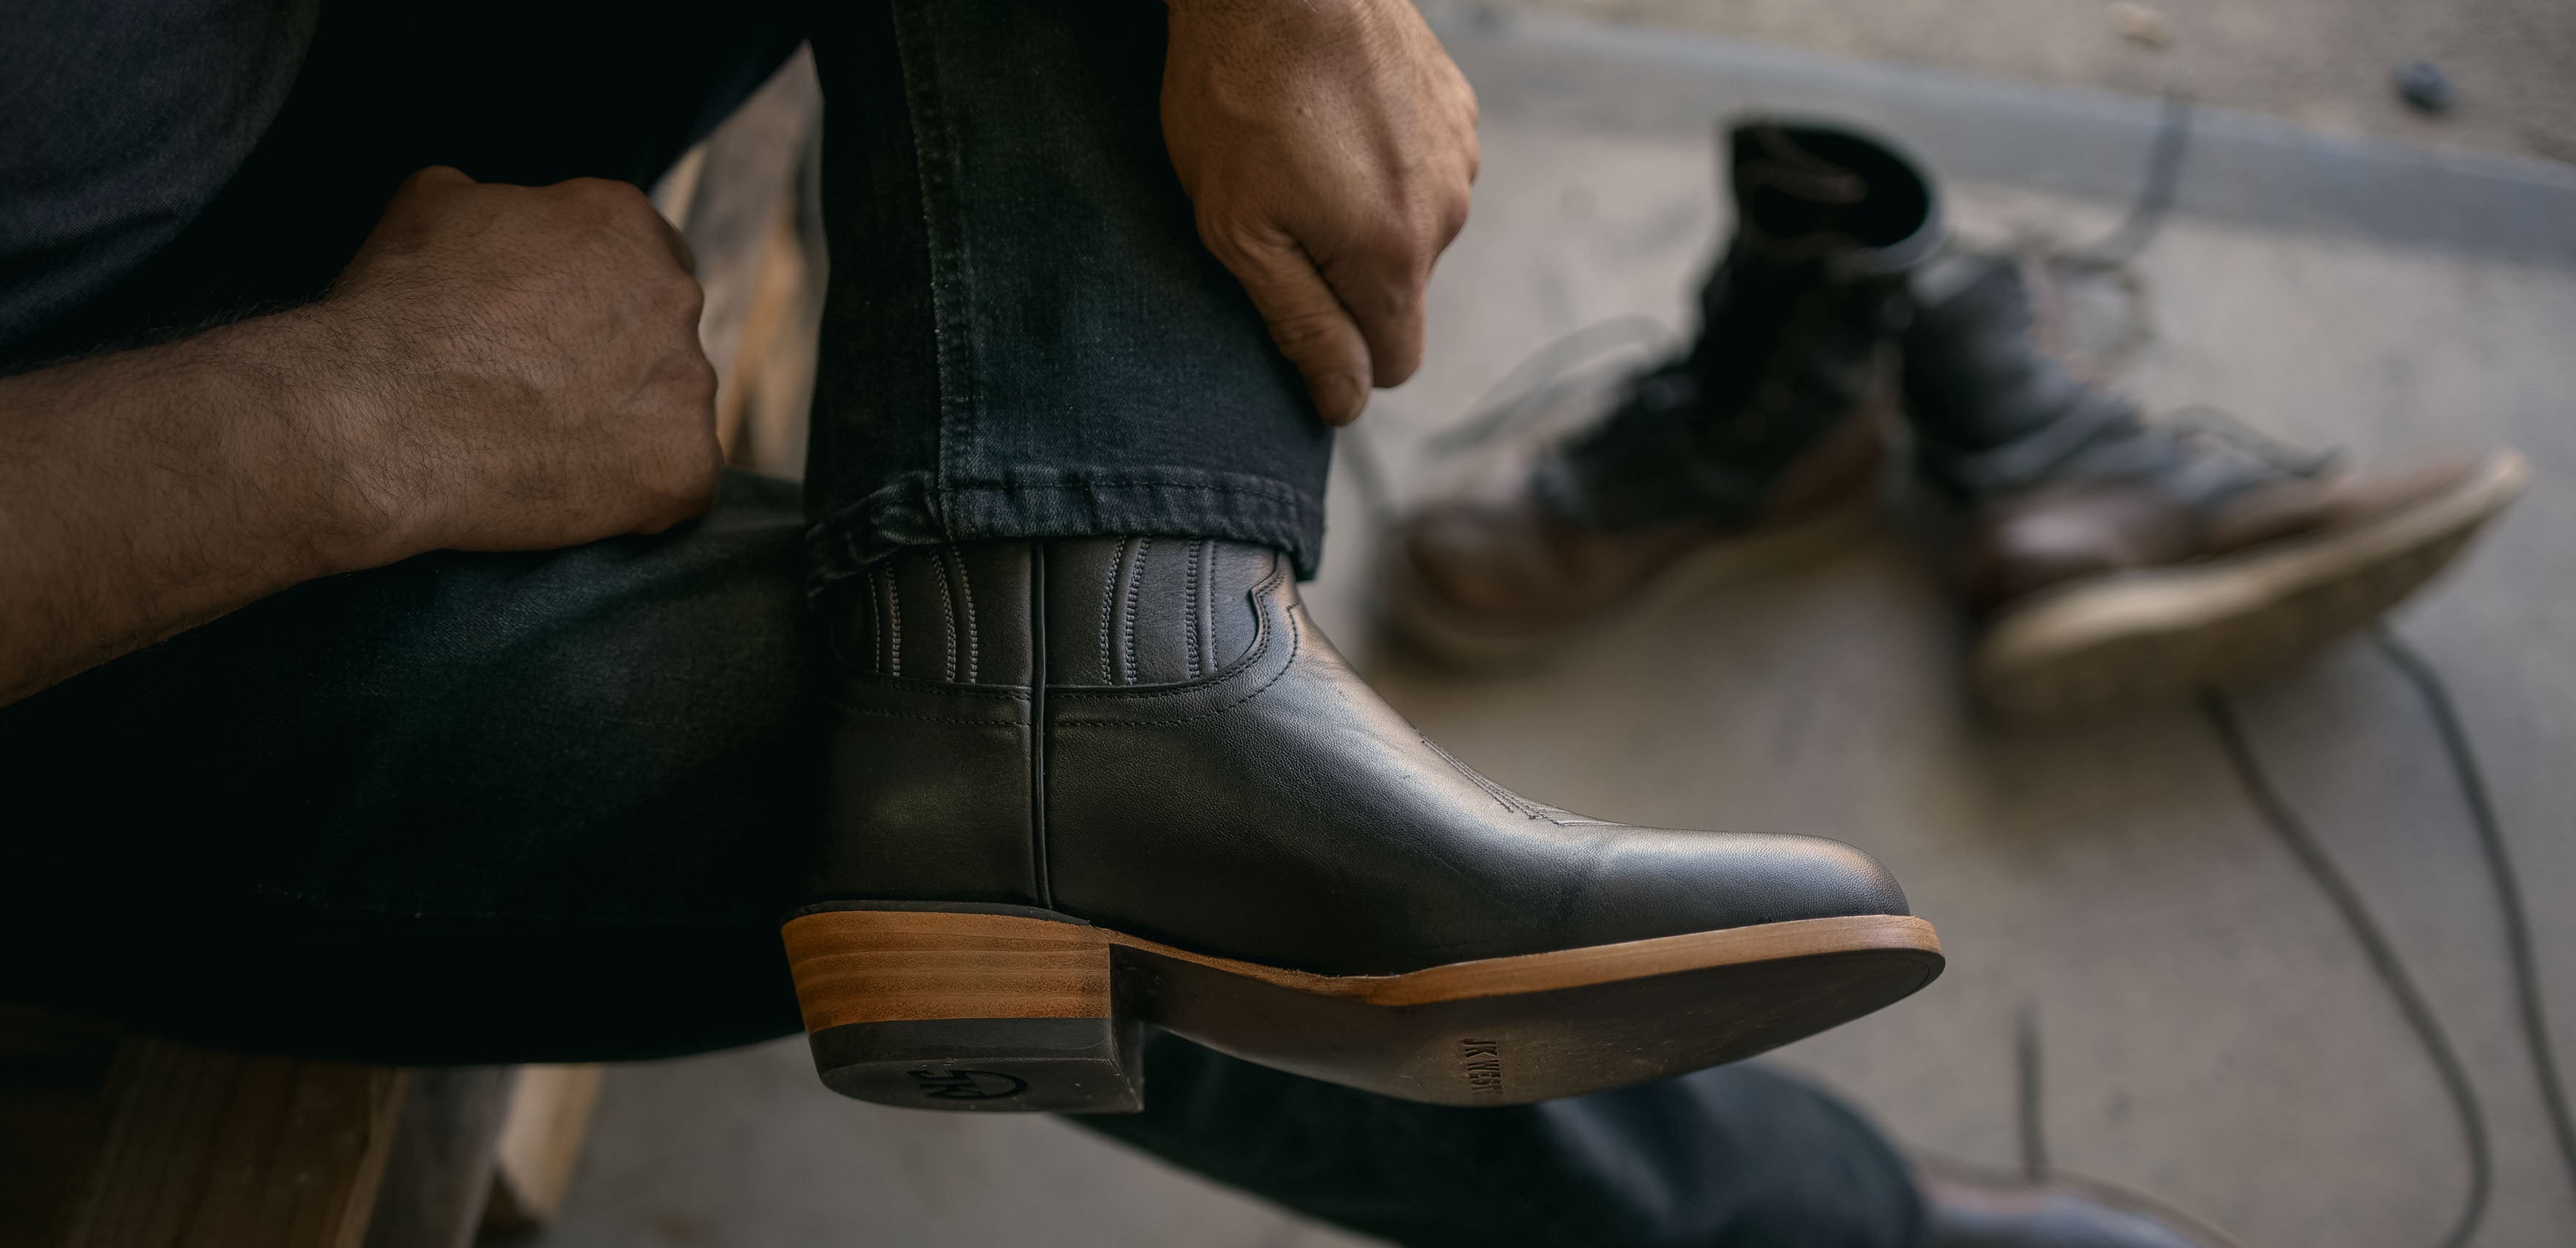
(109, 1140)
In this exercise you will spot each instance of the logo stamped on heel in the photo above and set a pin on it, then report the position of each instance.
(1481, 1061)
(967, 1085)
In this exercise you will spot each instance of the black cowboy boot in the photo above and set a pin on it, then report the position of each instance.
(1760, 443)
(1082, 786)
(2104, 560)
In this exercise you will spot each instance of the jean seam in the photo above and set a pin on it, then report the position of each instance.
(1280, 514)
(855, 514)
(935, 151)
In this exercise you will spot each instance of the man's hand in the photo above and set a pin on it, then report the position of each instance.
(526, 367)
(1328, 146)
(499, 368)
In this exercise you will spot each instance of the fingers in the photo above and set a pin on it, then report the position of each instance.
(1308, 321)
(678, 243)
(1384, 297)
(418, 195)
(1381, 280)
(633, 211)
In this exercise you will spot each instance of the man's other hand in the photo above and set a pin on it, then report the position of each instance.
(1328, 146)
(526, 365)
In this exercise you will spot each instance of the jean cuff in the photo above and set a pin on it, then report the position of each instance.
(1039, 503)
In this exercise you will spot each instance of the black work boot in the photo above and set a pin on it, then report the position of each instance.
(1082, 786)
(2104, 560)
(1762, 442)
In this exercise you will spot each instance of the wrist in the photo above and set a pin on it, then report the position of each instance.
(329, 441)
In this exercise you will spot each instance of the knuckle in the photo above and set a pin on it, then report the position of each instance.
(606, 190)
(1451, 219)
(684, 388)
(606, 196)
(698, 376)
(675, 478)
(680, 294)
(1242, 235)
(691, 483)
(1402, 248)
(690, 479)
(1299, 332)
(432, 179)
(1239, 255)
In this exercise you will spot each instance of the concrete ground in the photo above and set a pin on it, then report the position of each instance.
(2326, 64)
(2205, 1027)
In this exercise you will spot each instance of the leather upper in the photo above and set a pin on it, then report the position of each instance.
(1211, 774)
(2090, 489)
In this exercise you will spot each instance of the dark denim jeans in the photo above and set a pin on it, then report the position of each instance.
(1029, 340)
(548, 807)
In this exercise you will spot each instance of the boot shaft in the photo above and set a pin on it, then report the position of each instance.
(1796, 322)
(950, 655)
(1073, 613)
(1808, 192)
(1828, 224)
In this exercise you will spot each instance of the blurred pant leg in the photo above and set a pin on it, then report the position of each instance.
(1735, 1157)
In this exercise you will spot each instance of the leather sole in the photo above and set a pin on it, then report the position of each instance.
(1003, 1008)
(1444, 634)
(2168, 633)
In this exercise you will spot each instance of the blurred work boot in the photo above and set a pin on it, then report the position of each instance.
(1083, 785)
(2104, 560)
(1964, 1212)
(1761, 442)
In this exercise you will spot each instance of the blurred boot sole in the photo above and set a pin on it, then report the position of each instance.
(2165, 634)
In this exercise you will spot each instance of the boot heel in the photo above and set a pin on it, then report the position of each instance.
(1001, 1009)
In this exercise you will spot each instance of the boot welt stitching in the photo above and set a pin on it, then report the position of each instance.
(947, 610)
(1290, 665)
(1135, 590)
(1211, 714)
(1190, 603)
(894, 623)
(1108, 608)
(1206, 608)
(966, 596)
(1263, 637)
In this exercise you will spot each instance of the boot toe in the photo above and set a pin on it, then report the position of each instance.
(1656, 882)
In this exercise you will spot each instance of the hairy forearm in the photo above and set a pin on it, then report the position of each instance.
(499, 368)
(148, 491)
